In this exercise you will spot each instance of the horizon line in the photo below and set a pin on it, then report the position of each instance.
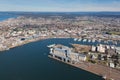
(60, 11)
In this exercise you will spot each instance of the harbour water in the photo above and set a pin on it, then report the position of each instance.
(31, 62)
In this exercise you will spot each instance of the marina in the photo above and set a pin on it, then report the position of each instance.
(99, 41)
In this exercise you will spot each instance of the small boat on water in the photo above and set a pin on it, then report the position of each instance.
(115, 43)
(75, 39)
(84, 40)
(79, 39)
(51, 45)
(105, 41)
(93, 40)
(89, 40)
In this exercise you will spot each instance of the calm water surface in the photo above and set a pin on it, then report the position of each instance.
(5, 16)
(30, 62)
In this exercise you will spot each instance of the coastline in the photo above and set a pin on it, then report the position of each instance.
(38, 39)
(29, 41)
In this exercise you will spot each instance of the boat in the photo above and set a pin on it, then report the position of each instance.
(52, 45)
(89, 40)
(79, 39)
(84, 40)
(75, 39)
(105, 41)
(93, 40)
(115, 42)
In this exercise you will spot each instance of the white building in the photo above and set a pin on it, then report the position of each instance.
(112, 65)
(93, 48)
(65, 53)
(101, 48)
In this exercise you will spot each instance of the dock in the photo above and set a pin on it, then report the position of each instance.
(103, 71)
(70, 56)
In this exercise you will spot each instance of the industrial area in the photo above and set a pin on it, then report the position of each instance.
(103, 60)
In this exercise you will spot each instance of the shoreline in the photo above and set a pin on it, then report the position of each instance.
(29, 41)
(37, 39)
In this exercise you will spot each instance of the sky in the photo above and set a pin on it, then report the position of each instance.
(60, 5)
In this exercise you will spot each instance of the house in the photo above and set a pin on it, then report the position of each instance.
(93, 48)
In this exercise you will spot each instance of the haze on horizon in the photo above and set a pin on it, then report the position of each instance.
(60, 5)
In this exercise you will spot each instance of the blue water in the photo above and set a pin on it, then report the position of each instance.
(5, 16)
(31, 62)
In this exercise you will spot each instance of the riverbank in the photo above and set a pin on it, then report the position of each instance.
(103, 71)
(23, 43)
(29, 41)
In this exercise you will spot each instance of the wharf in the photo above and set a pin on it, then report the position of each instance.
(100, 70)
